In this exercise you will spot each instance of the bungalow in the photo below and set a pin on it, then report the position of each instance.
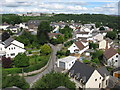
(78, 47)
(87, 77)
(66, 63)
(11, 47)
(111, 57)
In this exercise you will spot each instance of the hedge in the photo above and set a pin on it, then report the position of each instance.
(35, 67)
(29, 68)
(13, 70)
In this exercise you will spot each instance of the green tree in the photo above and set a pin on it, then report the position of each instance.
(111, 35)
(60, 39)
(102, 29)
(93, 45)
(21, 60)
(45, 49)
(5, 36)
(13, 80)
(42, 32)
(67, 52)
(54, 80)
(67, 32)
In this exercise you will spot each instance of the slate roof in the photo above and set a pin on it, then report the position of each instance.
(103, 70)
(110, 52)
(33, 22)
(8, 42)
(83, 70)
(79, 45)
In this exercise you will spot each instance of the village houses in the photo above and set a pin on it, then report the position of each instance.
(10, 48)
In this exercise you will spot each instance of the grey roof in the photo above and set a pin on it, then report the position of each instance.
(33, 22)
(103, 70)
(8, 42)
(83, 71)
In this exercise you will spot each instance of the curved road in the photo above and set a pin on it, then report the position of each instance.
(32, 79)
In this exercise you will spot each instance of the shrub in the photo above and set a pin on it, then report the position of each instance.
(13, 70)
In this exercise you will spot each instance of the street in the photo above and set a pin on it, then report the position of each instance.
(32, 79)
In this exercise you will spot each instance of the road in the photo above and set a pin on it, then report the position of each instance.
(32, 79)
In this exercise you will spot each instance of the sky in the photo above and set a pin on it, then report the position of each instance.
(60, 6)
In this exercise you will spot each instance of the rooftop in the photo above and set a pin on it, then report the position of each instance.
(109, 53)
(67, 59)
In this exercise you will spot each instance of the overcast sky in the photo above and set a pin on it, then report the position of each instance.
(60, 6)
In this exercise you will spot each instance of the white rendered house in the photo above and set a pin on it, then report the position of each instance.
(88, 77)
(11, 47)
(78, 47)
(104, 44)
(112, 57)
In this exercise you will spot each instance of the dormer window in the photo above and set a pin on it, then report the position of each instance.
(116, 56)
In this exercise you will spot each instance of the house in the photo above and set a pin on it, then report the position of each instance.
(54, 35)
(66, 63)
(111, 57)
(98, 37)
(80, 34)
(4, 26)
(75, 26)
(116, 72)
(87, 77)
(13, 29)
(90, 26)
(60, 24)
(23, 25)
(78, 47)
(11, 47)
(33, 24)
(104, 44)
(110, 41)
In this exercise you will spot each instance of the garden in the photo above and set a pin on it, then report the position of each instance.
(23, 63)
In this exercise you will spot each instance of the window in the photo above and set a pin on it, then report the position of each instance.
(115, 60)
(14, 47)
(73, 46)
(7, 54)
(69, 64)
(99, 85)
(95, 79)
(100, 77)
(9, 48)
(106, 82)
(72, 62)
(13, 54)
(116, 55)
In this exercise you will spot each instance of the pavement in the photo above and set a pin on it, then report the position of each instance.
(32, 79)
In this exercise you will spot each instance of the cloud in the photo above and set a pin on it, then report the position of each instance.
(60, 6)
